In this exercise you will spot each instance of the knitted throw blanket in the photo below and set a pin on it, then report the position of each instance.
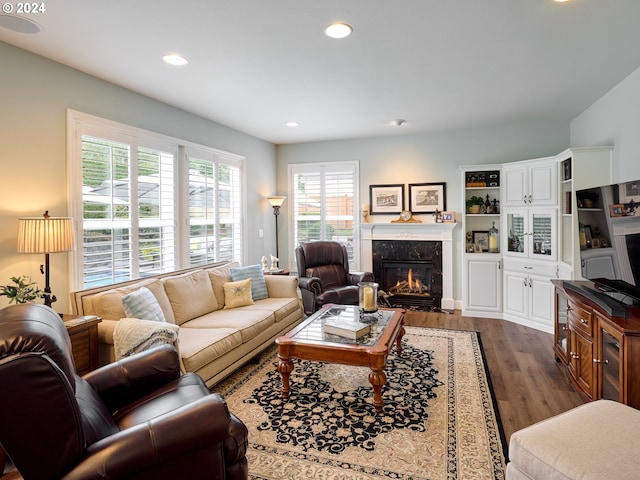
(133, 335)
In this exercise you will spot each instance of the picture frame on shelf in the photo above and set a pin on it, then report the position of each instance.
(427, 197)
(470, 248)
(448, 217)
(481, 237)
(477, 248)
(386, 199)
(617, 210)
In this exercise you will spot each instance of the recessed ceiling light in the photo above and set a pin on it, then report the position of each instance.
(397, 122)
(338, 30)
(292, 124)
(18, 24)
(174, 59)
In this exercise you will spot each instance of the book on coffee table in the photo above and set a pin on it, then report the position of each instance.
(346, 328)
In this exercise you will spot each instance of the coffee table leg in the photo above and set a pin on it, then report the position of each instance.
(285, 367)
(399, 341)
(377, 378)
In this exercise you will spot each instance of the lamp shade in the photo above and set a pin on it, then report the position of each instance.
(45, 234)
(276, 201)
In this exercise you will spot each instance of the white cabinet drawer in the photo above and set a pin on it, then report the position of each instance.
(546, 269)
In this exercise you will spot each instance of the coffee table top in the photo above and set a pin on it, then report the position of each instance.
(312, 329)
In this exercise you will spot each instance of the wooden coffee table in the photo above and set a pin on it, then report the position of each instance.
(308, 341)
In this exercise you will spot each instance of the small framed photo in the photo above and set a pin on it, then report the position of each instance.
(386, 199)
(481, 238)
(470, 248)
(427, 197)
(448, 217)
(617, 210)
(596, 243)
(477, 248)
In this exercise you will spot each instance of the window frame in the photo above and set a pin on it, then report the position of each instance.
(81, 124)
(322, 168)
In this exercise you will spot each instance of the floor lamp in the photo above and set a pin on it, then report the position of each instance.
(276, 202)
(45, 235)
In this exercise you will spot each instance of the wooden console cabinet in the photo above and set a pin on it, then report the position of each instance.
(83, 332)
(601, 353)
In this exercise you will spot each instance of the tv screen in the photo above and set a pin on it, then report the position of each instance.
(609, 232)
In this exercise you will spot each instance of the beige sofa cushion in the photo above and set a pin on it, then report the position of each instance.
(108, 304)
(191, 295)
(218, 277)
(201, 346)
(250, 323)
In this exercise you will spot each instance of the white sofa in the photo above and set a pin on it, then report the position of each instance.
(213, 340)
(595, 441)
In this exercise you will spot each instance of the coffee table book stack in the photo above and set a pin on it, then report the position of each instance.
(346, 328)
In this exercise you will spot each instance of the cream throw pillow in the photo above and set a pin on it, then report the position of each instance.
(237, 294)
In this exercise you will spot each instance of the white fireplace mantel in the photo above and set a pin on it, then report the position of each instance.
(442, 232)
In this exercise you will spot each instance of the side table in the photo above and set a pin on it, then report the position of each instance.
(83, 331)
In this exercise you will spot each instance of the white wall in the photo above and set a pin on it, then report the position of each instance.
(614, 120)
(425, 158)
(35, 94)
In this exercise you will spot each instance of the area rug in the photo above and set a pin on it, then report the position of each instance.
(438, 420)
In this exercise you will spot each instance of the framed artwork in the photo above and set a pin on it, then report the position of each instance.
(477, 248)
(481, 238)
(470, 248)
(617, 210)
(427, 197)
(448, 217)
(630, 191)
(386, 199)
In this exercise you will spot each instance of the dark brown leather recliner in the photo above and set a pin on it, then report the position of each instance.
(137, 418)
(324, 277)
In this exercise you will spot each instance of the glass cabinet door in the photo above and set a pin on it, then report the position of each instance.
(610, 361)
(562, 317)
(543, 234)
(516, 233)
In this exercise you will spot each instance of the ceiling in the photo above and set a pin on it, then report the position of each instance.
(441, 65)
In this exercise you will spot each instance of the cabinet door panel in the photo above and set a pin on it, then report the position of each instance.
(582, 363)
(543, 185)
(515, 293)
(541, 300)
(484, 284)
(515, 186)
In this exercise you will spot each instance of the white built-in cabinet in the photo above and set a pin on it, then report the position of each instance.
(538, 234)
(532, 182)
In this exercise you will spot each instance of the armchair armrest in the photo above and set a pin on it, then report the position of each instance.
(126, 380)
(139, 451)
(310, 283)
(353, 278)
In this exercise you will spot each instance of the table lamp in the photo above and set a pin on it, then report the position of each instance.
(45, 235)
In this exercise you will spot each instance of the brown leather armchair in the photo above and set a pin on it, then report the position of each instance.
(137, 418)
(324, 277)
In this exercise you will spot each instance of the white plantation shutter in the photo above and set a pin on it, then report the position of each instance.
(138, 213)
(215, 210)
(325, 205)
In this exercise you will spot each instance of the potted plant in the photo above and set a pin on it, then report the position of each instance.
(23, 290)
(474, 204)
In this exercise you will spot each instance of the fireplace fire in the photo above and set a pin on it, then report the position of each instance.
(409, 285)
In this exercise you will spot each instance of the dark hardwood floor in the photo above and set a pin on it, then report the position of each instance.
(527, 382)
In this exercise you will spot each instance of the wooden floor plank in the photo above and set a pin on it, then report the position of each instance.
(528, 384)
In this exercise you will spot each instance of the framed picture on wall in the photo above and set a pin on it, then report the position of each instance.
(427, 197)
(386, 199)
(630, 191)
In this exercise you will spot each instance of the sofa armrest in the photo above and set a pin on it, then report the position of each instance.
(282, 286)
(353, 278)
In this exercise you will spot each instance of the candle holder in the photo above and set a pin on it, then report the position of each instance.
(368, 296)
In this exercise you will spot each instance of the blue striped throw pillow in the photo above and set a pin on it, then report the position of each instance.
(258, 283)
(142, 304)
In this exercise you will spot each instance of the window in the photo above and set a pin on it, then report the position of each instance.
(324, 205)
(135, 206)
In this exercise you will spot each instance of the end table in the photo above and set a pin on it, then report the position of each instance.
(83, 331)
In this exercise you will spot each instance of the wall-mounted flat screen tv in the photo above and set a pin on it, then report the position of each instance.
(609, 231)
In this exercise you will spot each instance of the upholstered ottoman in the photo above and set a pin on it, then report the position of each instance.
(598, 440)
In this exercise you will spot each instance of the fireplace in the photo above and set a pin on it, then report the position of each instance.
(409, 272)
(438, 240)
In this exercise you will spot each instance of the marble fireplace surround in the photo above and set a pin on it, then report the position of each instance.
(442, 232)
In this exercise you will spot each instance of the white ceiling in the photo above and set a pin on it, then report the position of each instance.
(439, 64)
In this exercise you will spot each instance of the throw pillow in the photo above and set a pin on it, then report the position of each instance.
(237, 294)
(258, 283)
(142, 304)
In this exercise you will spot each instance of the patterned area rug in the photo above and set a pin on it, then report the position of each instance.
(438, 420)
